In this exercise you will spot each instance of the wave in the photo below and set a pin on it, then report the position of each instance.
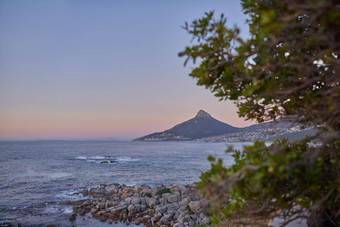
(72, 194)
(108, 159)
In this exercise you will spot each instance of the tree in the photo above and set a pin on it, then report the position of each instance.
(288, 67)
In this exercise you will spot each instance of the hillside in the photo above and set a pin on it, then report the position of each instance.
(202, 125)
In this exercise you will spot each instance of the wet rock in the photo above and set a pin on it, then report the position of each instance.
(85, 192)
(94, 210)
(111, 189)
(72, 216)
(66, 203)
(104, 162)
(97, 192)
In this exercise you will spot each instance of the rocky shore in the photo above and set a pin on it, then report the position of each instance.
(175, 205)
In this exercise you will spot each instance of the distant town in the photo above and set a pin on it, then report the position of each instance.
(205, 128)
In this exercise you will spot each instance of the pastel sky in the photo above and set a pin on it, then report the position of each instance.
(95, 69)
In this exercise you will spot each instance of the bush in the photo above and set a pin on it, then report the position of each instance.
(148, 194)
(162, 191)
(287, 68)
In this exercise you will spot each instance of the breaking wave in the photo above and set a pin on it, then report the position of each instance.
(107, 159)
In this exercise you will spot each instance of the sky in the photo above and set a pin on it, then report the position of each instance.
(75, 69)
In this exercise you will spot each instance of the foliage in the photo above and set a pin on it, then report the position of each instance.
(148, 194)
(162, 191)
(287, 68)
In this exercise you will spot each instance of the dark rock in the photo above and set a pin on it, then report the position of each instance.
(66, 203)
(72, 216)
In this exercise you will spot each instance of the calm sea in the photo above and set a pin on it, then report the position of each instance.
(36, 175)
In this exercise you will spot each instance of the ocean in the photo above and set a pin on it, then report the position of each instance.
(36, 175)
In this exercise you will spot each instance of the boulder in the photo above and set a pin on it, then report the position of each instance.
(195, 205)
(185, 202)
(111, 189)
(205, 220)
(172, 198)
(131, 208)
(165, 195)
(72, 216)
(135, 200)
(152, 202)
(97, 192)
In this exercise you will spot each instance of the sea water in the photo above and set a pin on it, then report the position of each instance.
(36, 175)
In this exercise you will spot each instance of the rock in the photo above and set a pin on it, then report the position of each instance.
(67, 203)
(128, 200)
(146, 218)
(204, 203)
(178, 225)
(165, 218)
(111, 189)
(94, 210)
(139, 203)
(131, 208)
(103, 218)
(104, 162)
(72, 216)
(172, 198)
(135, 200)
(163, 201)
(137, 188)
(205, 220)
(202, 215)
(138, 221)
(165, 195)
(152, 202)
(143, 207)
(85, 192)
(180, 187)
(82, 212)
(195, 205)
(143, 201)
(97, 192)
(127, 192)
(185, 202)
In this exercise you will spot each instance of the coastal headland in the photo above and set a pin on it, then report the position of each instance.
(176, 205)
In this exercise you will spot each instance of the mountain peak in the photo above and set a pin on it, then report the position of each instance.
(202, 113)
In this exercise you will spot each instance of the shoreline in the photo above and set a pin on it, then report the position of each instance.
(176, 205)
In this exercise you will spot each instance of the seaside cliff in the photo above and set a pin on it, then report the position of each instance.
(175, 205)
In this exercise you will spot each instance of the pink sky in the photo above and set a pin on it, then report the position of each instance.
(98, 69)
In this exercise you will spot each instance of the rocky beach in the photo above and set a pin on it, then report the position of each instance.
(176, 205)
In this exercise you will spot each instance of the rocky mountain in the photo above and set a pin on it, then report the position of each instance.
(203, 127)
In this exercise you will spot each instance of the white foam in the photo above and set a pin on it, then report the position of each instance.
(81, 157)
(68, 210)
(70, 195)
(127, 159)
(110, 159)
